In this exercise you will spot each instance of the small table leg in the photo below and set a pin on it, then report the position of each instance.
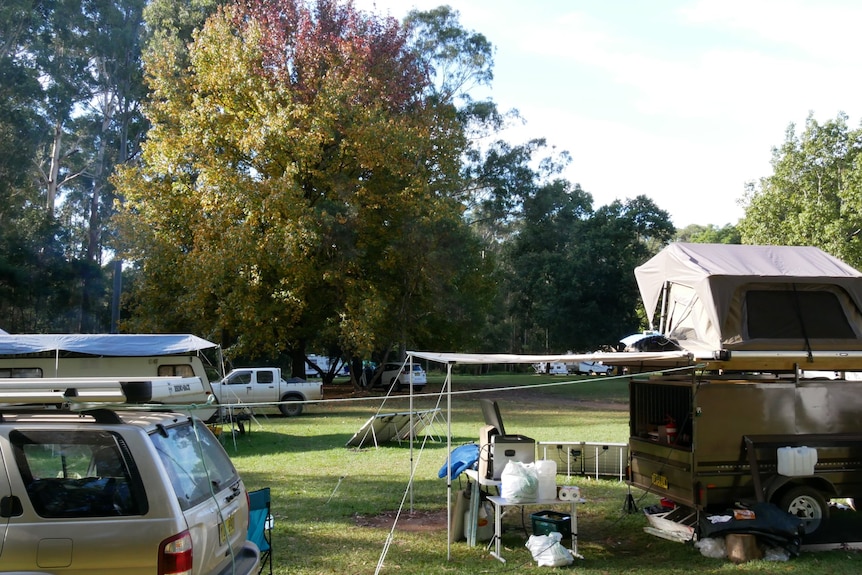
(498, 532)
(574, 527)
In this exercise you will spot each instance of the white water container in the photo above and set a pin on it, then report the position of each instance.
(484, 522)
(796, 461)
(547, 471)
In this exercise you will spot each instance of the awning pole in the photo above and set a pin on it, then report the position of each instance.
(448, 384)
(410, 429)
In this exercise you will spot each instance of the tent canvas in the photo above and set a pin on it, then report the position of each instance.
(753, 298)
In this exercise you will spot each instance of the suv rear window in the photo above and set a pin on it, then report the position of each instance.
(78, 474)
(195, 461)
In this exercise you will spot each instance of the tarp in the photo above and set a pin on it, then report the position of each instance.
(744, 297)
(119, 345)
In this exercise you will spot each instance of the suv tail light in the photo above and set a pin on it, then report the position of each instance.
(175, 555)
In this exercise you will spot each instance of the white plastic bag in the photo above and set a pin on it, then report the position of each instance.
(547, 550)
(713, 548)
(519, 482)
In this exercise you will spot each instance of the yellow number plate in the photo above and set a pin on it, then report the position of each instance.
(659, 480)
(226, 529)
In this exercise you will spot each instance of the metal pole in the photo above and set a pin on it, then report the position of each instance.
(448, 384)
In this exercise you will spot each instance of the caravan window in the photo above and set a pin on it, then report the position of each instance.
(7, 372)
(788, 314)
(179, 370)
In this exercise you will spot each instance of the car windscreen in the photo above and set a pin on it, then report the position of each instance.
(196, 463)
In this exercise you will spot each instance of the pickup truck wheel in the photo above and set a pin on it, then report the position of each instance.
(806, 503)
(291, 408)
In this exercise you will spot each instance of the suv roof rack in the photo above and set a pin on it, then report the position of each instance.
(60, 391)
(103, 415)
(98, 390)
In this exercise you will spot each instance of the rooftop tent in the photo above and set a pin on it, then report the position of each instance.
(120, 345)
(746, 298)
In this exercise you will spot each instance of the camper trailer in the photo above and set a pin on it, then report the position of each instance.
(157, 368)
(745, 422)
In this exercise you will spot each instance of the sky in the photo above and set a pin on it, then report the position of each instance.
(679, 100)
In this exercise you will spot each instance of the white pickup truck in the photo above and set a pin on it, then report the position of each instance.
(595, 368)
(265, 385)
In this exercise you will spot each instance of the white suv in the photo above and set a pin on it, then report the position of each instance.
(398, 374)
(107, 492)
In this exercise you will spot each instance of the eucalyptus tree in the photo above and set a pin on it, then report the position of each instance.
(69, 103)
(34, 274)
(709, 234)
(814, 195)
(572, 284)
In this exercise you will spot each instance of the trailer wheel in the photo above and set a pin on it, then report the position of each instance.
(290, 406)
(806, 503)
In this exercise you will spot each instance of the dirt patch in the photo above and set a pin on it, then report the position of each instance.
(418, 521)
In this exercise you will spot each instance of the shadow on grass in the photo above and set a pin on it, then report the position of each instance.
(263, 442)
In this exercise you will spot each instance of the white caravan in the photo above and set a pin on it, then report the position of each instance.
(155, 368)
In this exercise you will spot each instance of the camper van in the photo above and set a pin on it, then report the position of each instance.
(157, 368)
(745, 423)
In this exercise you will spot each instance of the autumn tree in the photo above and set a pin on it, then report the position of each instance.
(297, 186)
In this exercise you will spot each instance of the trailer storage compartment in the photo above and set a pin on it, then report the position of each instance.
(730, 434)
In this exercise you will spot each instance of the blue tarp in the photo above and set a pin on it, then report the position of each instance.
(463, 457)
(118, 345)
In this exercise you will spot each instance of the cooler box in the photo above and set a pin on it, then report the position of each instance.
(505, 448)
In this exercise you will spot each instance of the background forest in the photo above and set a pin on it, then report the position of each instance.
(295, 176)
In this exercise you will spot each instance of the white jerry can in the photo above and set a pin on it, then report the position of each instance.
(796, 461)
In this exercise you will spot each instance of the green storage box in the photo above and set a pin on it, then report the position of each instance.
(545, 522)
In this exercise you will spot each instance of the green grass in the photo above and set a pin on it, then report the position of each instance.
(320, 487)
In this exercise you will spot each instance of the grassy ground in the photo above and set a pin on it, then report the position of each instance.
(328, 499)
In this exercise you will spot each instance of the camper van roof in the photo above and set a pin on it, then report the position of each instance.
(120, 345)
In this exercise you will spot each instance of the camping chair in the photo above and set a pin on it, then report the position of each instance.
(260, 525)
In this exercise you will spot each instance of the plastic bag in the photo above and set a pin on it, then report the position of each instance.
(519, 482)
(776, 554)
(547, 550)
(712, 547)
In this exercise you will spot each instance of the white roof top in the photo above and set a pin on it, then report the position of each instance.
(103, 344)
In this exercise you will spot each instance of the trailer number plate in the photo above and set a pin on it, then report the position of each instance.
(659, 480)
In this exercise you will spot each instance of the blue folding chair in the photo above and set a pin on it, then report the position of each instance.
(260, 523)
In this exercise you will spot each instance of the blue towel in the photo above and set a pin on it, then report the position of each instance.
(463, 457)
